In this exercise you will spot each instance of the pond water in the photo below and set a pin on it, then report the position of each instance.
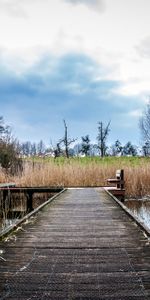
(18, 210)
(141, 209)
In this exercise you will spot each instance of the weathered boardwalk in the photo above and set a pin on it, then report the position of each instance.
(81, 246)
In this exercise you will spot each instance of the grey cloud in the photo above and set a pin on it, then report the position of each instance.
(95, 4)
(13, 8)
(143, 48)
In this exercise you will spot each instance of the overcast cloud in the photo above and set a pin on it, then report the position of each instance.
(63, 59)
(95, 4)
(12, 8)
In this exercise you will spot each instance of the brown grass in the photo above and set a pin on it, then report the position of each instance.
(137, 181)
(88, 172)
(3, 177)
(63, 175)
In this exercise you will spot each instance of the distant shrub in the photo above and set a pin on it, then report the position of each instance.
(9, 150)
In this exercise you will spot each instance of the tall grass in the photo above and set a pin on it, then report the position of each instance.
(3, 177)
(84, 172)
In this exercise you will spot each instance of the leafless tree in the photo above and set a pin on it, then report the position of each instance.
(103, 132)
(66, 140)
(145, 124)
(9, 150)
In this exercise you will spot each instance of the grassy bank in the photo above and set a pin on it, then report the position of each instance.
(87, 171)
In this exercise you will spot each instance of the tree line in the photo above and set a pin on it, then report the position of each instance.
(84, 148)
(11, 150)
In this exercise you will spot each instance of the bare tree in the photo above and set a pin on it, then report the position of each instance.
(66, 140)
(40, 148)
(9, 150)
(103, 132)
(5, 131)
(146, 149)
(145, 124)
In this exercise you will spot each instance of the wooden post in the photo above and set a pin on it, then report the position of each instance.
(122, 179)
(119, 179)
(29, 206)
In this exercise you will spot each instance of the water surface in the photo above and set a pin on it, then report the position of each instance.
(141, 209)
(18, 210)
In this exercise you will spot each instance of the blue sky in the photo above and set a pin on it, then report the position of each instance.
(82, 61)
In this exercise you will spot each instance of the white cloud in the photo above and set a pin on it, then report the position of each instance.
(134, 76)
(138, 88)
(118, 39)
(135, 113)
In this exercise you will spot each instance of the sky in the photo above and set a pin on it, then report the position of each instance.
(85, 61)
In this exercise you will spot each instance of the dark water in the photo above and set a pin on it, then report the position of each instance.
(141, 209)
(18, 207)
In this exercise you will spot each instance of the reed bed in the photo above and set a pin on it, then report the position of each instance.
(3, 177)
(83, 172)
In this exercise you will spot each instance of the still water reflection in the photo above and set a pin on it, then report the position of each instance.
(141, 209)
(15, 207)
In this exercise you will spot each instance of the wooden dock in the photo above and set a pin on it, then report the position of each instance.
(81, 246)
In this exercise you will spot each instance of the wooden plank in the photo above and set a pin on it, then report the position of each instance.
(81, 246)
(7, 185)
(17, 189)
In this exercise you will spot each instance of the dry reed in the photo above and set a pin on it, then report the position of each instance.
(88, 172)
(3, 177)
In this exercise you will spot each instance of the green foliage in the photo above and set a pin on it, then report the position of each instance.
(117, 162)
(129, 149)
(85, 145)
